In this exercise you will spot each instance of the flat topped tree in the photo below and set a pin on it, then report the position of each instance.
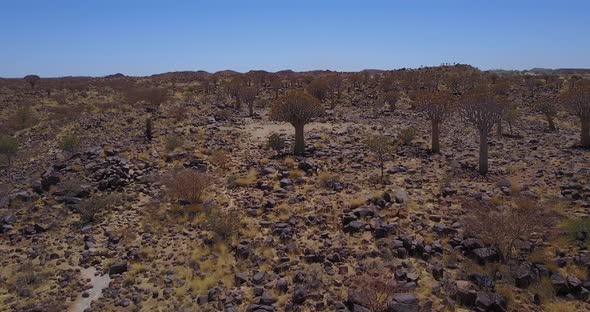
(437, 107)
(481, 110)
(32, 80)
(297, 108)
(577, 99)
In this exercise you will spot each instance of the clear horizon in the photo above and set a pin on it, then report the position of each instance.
(142, 38)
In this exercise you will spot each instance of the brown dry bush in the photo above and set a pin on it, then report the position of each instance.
(188, 184)
(501, 226)
(173, 141)
(219, 158)
(24, 117)
(225, 224)
(92, 208)
(27, 276)
(374, 290)
(60, 98)
(276, 142)
(66, 113)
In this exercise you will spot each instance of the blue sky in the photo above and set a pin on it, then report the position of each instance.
(100, 37)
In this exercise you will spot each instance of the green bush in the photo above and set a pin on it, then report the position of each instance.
(407, 135)
(276, 142)
(92, 208)
(173, 142)
(70, 143)
(577, 229)
(23, 118)
(8, 147)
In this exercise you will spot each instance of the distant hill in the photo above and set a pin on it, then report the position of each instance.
(560, 71)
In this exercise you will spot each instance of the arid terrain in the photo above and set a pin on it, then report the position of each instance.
(433, 189)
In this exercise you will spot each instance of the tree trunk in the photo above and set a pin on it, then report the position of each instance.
(382, 165)
(585, 135)
(299, 139)
(550, 122)
(251, 109)
(499, 127)
(483, 153)
(238, 104)
(435, 136)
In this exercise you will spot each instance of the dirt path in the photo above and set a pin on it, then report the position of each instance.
(98, 282)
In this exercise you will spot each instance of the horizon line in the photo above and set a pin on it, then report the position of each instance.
(300, 71)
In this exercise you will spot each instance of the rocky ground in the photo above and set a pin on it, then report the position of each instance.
(315, 233)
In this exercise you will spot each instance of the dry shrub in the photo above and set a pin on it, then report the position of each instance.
(176, 111)
(408, 135)
(276, 142)
(149, 96)
(328, 180)
(316, 277)
(501, 226)
(544, 288)
(92, 208)
(173, 142)
(219, 158)
(66, 113)
(26, 276)
(224, 223)
(60, 98)
(107, 106)
(24, 117)
(188, 184)
(374, 290)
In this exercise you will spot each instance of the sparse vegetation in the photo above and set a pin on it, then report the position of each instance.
(188, 184)
(382, 147)
(408, 135)
(297, 108)
(173, 142)
(501, 226)
(93, 208)
(276, 142)
(70, 143)
(8, 147)
(161, 192)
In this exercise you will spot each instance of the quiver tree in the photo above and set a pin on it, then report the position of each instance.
(391, 97)
(501, 91)
(32, 80)
(296, 108)
(335, 89)
(481, 111)
(275, 85)
(247, 96)
(577, 99)
(318, 88)
(512, 116)
(148, 130)
(437, 107)
(545, 105)
(234, 89)
(381, 146)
